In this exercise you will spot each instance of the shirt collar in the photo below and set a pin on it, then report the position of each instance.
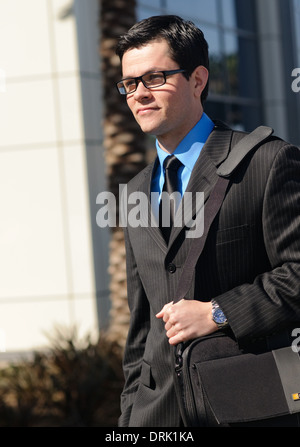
(189, 148)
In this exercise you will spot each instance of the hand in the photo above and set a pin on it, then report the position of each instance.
(186, 320)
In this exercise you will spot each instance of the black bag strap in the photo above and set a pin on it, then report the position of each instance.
(247, 144)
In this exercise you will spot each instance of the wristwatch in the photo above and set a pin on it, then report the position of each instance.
(218, 315)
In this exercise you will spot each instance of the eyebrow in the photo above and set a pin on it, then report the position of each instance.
(146, 72)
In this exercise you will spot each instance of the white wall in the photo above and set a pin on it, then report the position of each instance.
(50, 131)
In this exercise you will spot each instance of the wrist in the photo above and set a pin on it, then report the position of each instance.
(218, 315)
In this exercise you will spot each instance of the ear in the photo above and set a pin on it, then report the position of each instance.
(200, 78)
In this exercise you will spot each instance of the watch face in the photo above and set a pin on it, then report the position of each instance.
(219, 317)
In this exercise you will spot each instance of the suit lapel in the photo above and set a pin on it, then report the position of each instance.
(203, 178)
(148, 221)
(204, 174)
(213, 153)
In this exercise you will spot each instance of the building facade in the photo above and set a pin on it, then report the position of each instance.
(51, 170)
(53, 257)
(254, 47)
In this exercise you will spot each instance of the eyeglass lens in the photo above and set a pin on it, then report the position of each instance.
(155, 79)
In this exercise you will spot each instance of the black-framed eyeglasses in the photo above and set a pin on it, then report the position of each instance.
(150, 80)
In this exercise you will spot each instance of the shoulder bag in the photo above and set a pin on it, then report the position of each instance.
(216, 381)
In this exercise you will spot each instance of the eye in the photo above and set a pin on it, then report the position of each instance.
(129, 84)
(153, 78)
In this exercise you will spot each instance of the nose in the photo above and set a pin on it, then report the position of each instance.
(141, 91)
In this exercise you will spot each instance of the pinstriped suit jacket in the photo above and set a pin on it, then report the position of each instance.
(250, 265)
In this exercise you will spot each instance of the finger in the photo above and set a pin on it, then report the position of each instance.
(166, 307)
(171, 332)
(172, 329)
(161, 313)
(168, 326)
(177, 338)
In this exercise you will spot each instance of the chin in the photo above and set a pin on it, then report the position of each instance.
(149, 130)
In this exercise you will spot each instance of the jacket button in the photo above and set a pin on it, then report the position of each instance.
(171, 268)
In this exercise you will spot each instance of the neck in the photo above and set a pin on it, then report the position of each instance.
(169, 142)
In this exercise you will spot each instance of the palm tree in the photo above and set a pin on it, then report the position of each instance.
(125, 149)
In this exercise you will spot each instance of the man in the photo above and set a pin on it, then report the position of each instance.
(250, 264)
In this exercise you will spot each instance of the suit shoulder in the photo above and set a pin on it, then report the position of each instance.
(268, 148)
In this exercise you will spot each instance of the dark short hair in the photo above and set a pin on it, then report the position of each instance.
(186, 41)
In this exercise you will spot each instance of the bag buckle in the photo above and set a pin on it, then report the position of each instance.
(178, 357)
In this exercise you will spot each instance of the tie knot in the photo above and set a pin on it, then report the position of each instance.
(172, 163)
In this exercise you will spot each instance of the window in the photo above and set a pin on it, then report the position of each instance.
(296, 13)
(230, 29)
(207, 10)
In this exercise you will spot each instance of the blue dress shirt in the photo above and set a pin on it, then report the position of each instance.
(187, 152)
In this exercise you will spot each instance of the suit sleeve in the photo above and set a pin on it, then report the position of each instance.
(137, 335)
(272, 300)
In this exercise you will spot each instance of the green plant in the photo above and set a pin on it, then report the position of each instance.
(75, 383)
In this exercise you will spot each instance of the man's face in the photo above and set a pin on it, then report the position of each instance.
(170, 111)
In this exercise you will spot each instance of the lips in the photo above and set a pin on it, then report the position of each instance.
(144, 110)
